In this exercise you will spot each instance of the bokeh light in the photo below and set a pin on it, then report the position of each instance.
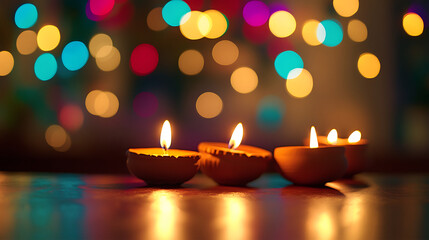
(155, 21)
(74, 55)
(357, 30)
(256, 13)
(110, 61)
(219, 24)
(173, 12)
(368, 65)
(286, 62)
(225, 52)
(330, 33)
(309, 32)
(346, 8)
(71, 117)
(26, 16)
(145, 104)
(191, 62)
(301, 85)
(271, 111)
(99, 41)
(48, 38)
(45, 66)
(244, 80)
(6, 63)
(413, 24)
(195, 25)
(282, 24)
(26, 43)
(101, 7)
(144, 59)
(209, 105)
(56, 136)
(102, 103)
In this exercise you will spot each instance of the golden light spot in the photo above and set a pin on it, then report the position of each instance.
(98, 42)
(56, 136)
(6, 63)
(357, 30)
(346, 8)
(204, 24)
(194, 25)
(191, 62)
(244, 80)
(219, 24)
(368, 65)
(155, 21)
(309, 32)
(209, 105)
(282, 24)
(110, 61)
(300, 86)
(26, 43)
(413, 24)
(102, 103)
(225, 52)
(48, 38)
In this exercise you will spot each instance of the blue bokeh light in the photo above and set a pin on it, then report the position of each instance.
(26, 16)
(333, 33)
(173, 12)
(75, 55)
(286, 62)
(271, 111)
(45, 66)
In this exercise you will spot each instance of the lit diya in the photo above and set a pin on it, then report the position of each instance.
(163, 166)
(355, 150)
(313, 165)
(233, 164)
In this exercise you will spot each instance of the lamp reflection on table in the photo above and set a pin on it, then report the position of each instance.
(233, 222)
(322, 219)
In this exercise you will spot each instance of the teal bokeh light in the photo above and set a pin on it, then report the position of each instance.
(26, 16)
(271, 110)
(75, 55)
(286, 62)
(330, 33)
(45, 66)
(173, 12)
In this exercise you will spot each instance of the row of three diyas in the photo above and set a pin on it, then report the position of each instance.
(235, 164)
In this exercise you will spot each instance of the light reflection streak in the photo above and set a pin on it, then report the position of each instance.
(322, 223)
(233, 222)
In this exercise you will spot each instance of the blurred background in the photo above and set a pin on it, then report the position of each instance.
(83, 81)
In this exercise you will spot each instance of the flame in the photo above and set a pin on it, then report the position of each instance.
(236, 137)
(355, 137)
(333, 136)
(313, 138)
(165, 139)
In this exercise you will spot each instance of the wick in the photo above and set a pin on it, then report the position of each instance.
(230, 144)
(165, 150)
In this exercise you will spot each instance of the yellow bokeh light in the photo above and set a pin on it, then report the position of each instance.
(98, 42)
(204, 24)
(357, 30)
(102, 103)
(300, 86)
(56, 136)
(191, 62)
(26, 43)
(110, 61)
(225, 52)
(309, 32)
(90, 100)
(48, 38)
(6, 63)
(195, 25)
(219, 24)
(368, 65)
(244, 80)
(155, 21)
(346, 8)
(282, 24)
(413, 24)
(209, 105)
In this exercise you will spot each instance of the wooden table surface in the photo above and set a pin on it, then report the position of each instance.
(72, 206)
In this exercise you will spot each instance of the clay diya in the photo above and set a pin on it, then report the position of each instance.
(163, 166)
(233, 164)
(313, 165)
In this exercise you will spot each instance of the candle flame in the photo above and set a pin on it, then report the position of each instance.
(313, 138)
(165, 139)
(236, 137)
(333, 136)
(355, 137)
